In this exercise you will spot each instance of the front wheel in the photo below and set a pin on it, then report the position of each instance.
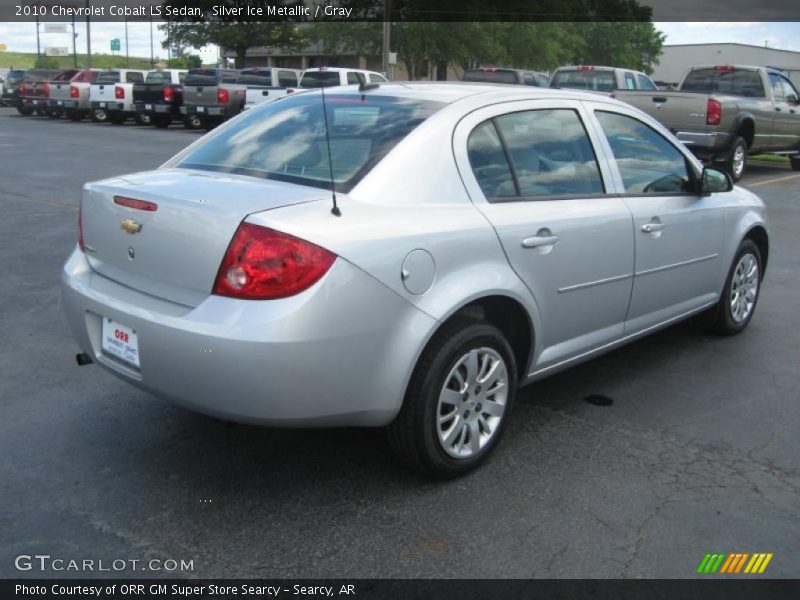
(193, 122)
(737, 160)
(740, 294)
(142, 119)
(457, 401)
(99, 115)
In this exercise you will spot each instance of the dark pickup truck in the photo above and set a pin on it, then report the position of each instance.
(11, 88)
(210, 96)
(160, 96)
(34, 90)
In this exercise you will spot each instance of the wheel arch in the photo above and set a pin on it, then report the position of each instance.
(760, 237)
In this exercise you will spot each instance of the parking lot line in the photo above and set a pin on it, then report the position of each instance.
(775, 180)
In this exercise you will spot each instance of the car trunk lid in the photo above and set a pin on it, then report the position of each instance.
(175, 251)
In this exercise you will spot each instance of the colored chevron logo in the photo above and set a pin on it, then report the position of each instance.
(734, 563)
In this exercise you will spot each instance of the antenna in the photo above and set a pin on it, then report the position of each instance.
(335, 210)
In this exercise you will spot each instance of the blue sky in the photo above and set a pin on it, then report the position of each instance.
(21, 37)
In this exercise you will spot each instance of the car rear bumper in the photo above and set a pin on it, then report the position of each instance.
(214, 110)
(712, 141)
(154, 108)
(35, 102)
(338, 354)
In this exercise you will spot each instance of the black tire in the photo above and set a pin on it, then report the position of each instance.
(795, 162)
(116, 117)
(413, 434)
(162, 121)
(736, 163)
(74, 115)
(26, 111)
(41, 112)
(725, 322)
(55, 113)
(142, 119)
(193, 122)
(99, 115)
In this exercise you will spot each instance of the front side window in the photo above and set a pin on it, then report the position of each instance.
(647, 162)
(286, 140)
(352, 79)
(646, 84)
(789, 90)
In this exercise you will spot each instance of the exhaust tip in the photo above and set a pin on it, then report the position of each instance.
(83, 359)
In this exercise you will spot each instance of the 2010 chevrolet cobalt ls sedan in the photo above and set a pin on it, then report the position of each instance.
(485, 237)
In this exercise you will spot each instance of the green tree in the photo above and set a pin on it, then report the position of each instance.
(622, 44)
(187, 61)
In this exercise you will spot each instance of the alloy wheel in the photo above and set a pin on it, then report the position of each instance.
(744, 287)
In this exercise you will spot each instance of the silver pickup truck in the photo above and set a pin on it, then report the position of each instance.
(210, 96)
(725, 113)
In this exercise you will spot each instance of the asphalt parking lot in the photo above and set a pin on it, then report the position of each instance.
(698, 451)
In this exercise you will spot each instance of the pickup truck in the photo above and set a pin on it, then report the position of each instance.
(10, 95)
(724, 113)
(210, 96)
(160, 97)
(69, 93)
(111, 96)
(603, 80)
(512, 76)
(34, 90)
(267, 84)
(332, 76)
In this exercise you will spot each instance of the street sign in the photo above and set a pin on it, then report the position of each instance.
(55, 28)
(115, 45)
(57, 51)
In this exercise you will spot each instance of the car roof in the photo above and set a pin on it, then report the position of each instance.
(339, 70)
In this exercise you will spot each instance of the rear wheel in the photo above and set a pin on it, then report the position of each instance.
(99, 115)
(74, 115)
(740, 294)
(116, 117)
(142, 119)
(193, 122)
(795, 162)
(55, 113)
(162, 121)
(736, 164)
(457, 401)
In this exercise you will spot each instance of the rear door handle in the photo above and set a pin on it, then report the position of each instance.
(653, 226)
(537, 241)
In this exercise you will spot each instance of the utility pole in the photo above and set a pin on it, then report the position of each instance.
(74, 44)
(38, 49)
(152, 60)
(127, 54)
(88, 38)
(387, 32)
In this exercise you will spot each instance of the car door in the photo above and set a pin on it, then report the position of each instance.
(678, 233)
(786, 128)
(531, 169)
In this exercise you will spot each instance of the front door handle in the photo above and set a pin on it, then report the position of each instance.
(653, 226)
(538, 241)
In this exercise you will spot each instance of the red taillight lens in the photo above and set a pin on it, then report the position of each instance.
(74, 92)
(136, 204)
(289, 90)
(81, 245)
(119, 93)
(222, 96)
(169, 94)
(585, 68)
(713, 112)
(725, 68)
(46, 89)
(264, 264)
(23, 88)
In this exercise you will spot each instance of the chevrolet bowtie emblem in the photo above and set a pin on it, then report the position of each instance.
(130, 226)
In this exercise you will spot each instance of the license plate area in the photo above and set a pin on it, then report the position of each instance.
(148, 107)
(120, 343)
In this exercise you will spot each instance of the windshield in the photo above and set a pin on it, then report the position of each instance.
(317, 79)
(594, 81)
(14, 77)
(485, 76)
(107, 77)
(286, 140)
(158, 77)
(201, 77)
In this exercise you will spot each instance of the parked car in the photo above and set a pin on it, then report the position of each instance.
(10, 95)
(605, 80)
(69, 93)
(726, 112)
(267, 84)
(35, 89)
(210, 96)
(514, 76)
(160, 97)
(540, 228)
(333, 76)
(111, 96)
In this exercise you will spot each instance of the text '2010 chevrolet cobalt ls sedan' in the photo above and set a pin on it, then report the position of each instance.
(485, 237)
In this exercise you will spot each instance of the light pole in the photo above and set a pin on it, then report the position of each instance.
(38, 49)
(74, 44)
(88, 38)
(152, 61)
(127, 54)
(387, 32)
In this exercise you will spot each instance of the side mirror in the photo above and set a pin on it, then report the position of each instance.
(792, 99)
(714, 181)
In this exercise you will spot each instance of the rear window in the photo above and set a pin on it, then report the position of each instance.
(15, 77)
(736, 82)
(489, 76)
(157, 77)
(201, 77)
(592, 80)
(255, 78)
(317, 79)
(286, 140)
(107, 77)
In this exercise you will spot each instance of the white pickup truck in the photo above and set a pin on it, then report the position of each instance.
(267, 84)
(331, 76)
(111, 96)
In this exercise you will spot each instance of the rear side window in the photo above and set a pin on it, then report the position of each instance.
(134, 77)
(286, 140)
(647, 162)
(595, 81)
(375, 78)
(736, 82)
(201, 77)
(630, 81)
(287, 78)
(107, 77)
(646, 84)
(534, 154)
(489, 76)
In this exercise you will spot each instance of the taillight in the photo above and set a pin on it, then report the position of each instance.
(46, 89)
(725, 68)
(81, 244)
(74, 92)
(23, 88)
(585, 68)
(222, 96)
(264, 264)
(136, 204)
(713, 112)
(119, 92)
(290, 90)
(169, 94)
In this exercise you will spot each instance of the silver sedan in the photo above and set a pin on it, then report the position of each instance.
(405, 256)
